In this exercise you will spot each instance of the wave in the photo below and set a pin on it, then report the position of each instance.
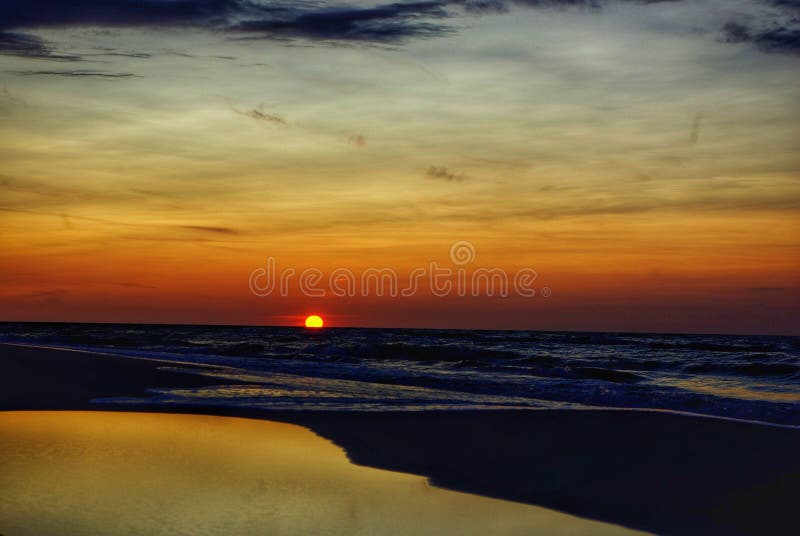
(748, 369)
(714, 347)
(418, 352)
(754, 378)
(608, 375)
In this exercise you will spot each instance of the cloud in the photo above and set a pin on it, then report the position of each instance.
(76, 74)
(358, 140)
(184, 54)
(113, 53)
(391, 22)
(211, 229)
(442, 173)
(53, 296)
(379, 24)
(128, 284)
(694, 134)
(777, 39)
(119, 13)
(321, 22)
(29, 46)
(260, 115)
(246, 19)
(66, 219)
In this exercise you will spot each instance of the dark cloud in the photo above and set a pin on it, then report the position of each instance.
(789, 5)
(502, 6)
(211, 229)
(260, 115)
(29, 46)
(384, 23)
(312, 20)
(778, 39)
(120, 13)
(137, 55)
(76, 74)
(733, 32)
(184, 54)
(378, 24)
(483, 7)
(442, 173)
(128, 284)
(392, 22)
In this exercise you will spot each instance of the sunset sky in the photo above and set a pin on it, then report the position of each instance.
(641, 156)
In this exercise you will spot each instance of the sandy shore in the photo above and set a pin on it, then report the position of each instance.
(659, 472)
(199, 475)
(44, 378)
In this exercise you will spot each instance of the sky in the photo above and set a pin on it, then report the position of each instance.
(640, 156)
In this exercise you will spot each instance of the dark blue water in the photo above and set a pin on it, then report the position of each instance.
(745, 377)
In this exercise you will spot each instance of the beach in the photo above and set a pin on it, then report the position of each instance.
(652, 471)
(112, 473)
(399, 267)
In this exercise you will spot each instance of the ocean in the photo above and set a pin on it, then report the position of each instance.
(753, 378)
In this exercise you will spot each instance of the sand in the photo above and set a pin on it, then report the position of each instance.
(112, 473)
(652, 471)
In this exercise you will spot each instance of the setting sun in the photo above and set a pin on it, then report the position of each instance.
(314, 321)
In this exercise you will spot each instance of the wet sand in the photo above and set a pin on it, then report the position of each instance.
(113, 473)
(653, 471)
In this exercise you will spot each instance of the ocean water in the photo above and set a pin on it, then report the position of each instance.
(754, 378)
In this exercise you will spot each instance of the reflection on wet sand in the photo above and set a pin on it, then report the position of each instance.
(145, 473)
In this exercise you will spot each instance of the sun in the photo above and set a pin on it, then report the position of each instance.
(314, 321)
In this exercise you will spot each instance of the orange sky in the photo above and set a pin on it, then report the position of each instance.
(652, 275)
(651, 188)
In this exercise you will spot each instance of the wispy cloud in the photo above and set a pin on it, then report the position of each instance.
(50, 296)
(211, 229)
(442, 173)
(260, 115)
(358, 140)
(694, 134)
(128, 284)
(118, 54)
(29, 46)
(76, 74)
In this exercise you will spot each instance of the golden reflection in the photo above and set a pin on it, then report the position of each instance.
(733, 387)
(137, 473)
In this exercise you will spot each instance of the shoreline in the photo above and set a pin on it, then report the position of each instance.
(170, 363)
(657, 471)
